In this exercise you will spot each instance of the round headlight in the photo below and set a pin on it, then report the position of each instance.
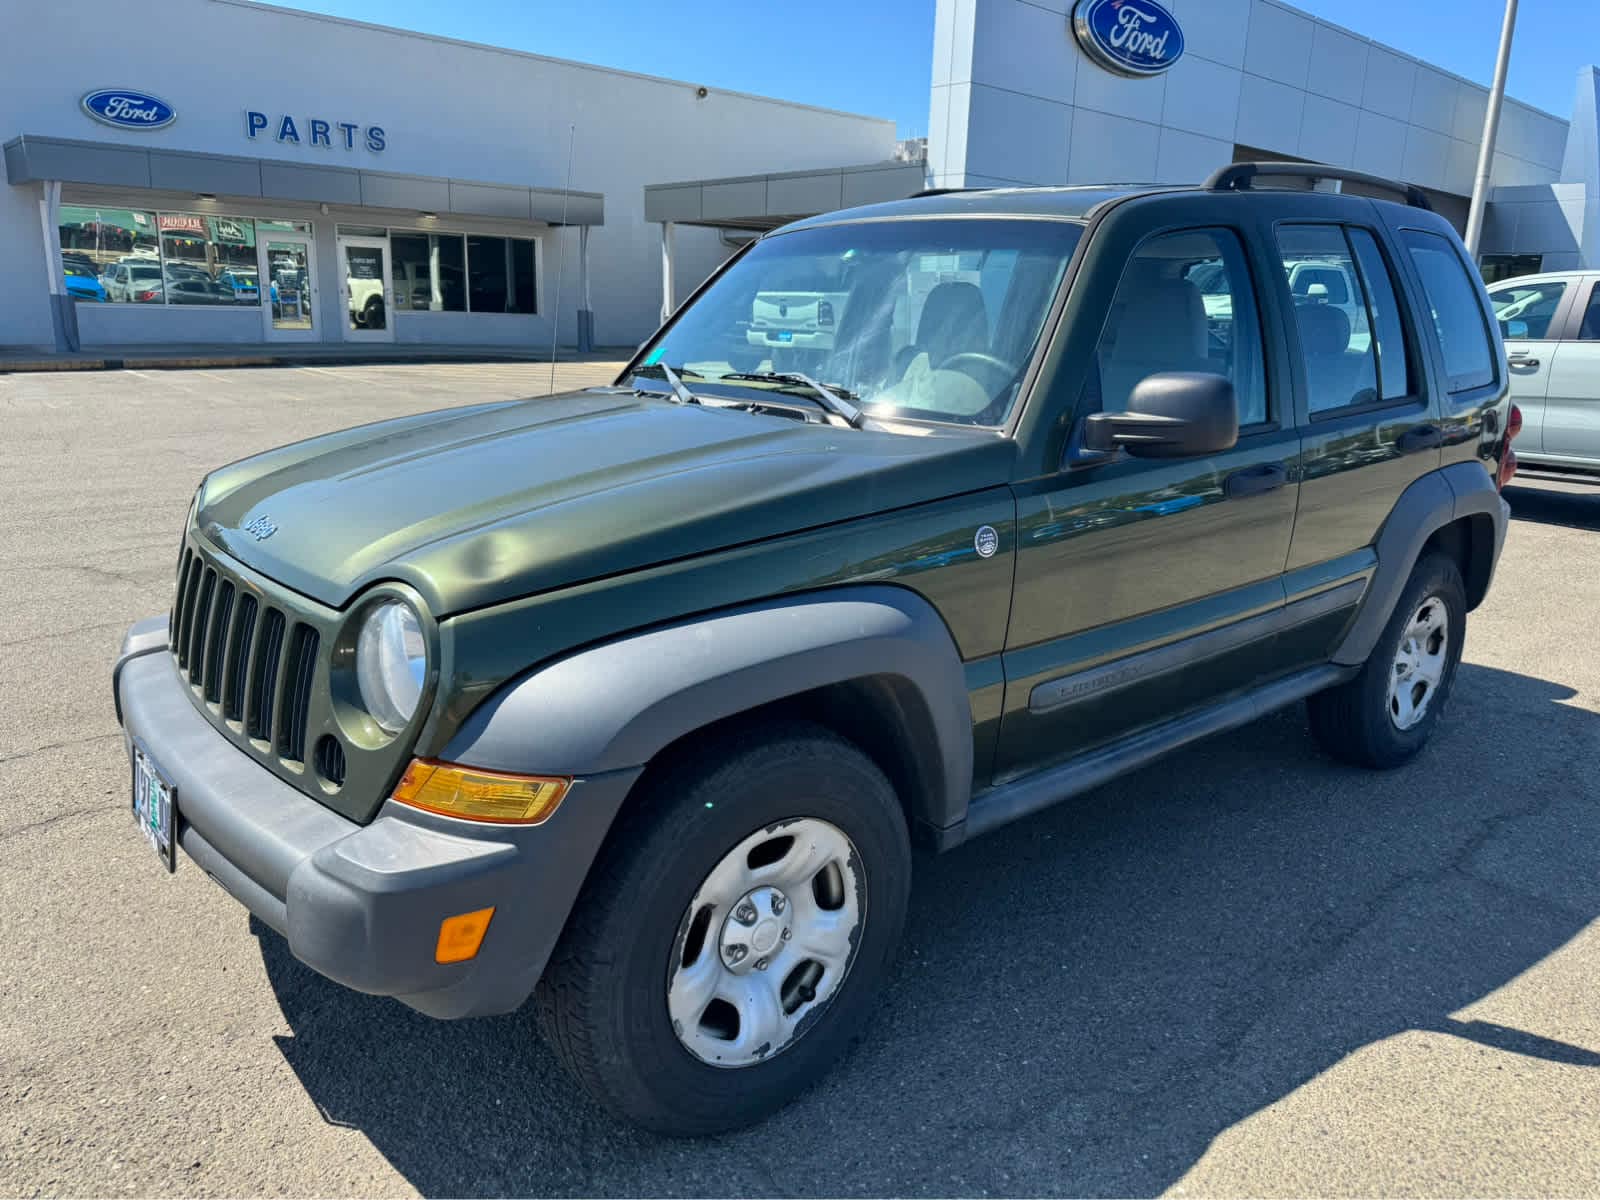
(391, 664)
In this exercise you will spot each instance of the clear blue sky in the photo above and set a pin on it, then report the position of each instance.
(873, 56)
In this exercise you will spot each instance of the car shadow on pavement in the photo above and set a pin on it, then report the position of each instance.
(1085, 999)
(1572, 509)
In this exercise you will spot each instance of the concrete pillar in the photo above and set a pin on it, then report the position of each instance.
(63, 309)
(1581, 163)
(668, 236)
(585, 311)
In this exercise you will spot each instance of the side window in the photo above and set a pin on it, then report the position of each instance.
(1185, 303)
(1383, 310)
(1589, 330)
(1524, 310)
(1335, 335)
(1453, 300)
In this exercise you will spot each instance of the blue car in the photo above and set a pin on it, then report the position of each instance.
(82, 283)
(246, 286)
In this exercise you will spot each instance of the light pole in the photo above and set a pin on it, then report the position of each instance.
(1491, 127)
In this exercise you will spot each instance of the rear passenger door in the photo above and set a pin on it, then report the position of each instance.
(1531, 315)
(1368, 423)
(1145, 587)
(1571, 432)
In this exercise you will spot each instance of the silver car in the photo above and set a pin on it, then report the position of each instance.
(1551, 327)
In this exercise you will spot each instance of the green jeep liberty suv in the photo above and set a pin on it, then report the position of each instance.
(635, 700)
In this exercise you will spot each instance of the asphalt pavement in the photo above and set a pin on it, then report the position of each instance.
(1246, 970)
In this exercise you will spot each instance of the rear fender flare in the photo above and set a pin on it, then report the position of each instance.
(616, 705)
(1428, 505)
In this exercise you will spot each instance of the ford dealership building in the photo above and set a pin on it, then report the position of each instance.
(242, 174)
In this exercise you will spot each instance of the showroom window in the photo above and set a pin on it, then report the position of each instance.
(429, 271)
(500, 274)
(134, 256)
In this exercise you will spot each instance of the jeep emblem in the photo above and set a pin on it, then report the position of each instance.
(261, 528)
(986, 541)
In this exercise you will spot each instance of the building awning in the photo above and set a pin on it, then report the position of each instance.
(32, 159)
(762, 202)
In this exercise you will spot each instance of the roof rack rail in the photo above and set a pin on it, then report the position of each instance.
(1240, 176)
(942, 191)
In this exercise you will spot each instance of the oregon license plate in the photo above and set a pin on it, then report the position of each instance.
(155, 807)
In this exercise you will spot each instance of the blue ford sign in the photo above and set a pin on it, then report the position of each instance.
(128, 109)
(1130, 37)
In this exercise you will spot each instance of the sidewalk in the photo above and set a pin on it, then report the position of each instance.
(157, 357)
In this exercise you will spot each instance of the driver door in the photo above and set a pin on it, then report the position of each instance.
(1145, 587)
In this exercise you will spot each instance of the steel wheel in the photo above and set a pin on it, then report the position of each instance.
(766, 941)
(1420, 663)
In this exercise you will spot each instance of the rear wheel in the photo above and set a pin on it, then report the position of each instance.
(734, 934)
(1383, 716)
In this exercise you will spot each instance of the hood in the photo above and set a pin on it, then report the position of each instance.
(478, 505)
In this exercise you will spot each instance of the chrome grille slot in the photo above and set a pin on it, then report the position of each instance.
(269, 656)
(299, 672)
(184, 562)
(201, 620)
(244, 633)
(217, 642)
(186, 619)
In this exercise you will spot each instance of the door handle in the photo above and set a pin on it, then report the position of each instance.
(1523, 360)
(1419, 438)
(1252, 481)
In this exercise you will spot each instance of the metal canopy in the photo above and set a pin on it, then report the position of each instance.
(762, 202)
(33, 159)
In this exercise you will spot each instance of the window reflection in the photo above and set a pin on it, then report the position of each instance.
(429, 272)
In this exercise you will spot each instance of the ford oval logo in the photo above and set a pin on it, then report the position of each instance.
(1130, 37)
(128, 109)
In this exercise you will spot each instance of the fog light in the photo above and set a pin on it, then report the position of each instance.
(457, 791)
(461, 935)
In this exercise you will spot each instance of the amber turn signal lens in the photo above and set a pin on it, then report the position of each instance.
(461, 935)
(456, 791)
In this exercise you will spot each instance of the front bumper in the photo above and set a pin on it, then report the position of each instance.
(362, 904)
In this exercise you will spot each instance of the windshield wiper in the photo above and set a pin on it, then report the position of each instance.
(834, 401)
(682, 394)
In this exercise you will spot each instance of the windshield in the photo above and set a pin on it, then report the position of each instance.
(932, 319)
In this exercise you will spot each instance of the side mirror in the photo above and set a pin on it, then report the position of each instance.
(1175, 414)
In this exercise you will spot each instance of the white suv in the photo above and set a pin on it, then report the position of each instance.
(1551, 327)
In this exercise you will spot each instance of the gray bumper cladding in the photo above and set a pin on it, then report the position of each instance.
(362, 904)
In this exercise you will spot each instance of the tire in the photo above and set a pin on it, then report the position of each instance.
(1362, 721)
(642, 928)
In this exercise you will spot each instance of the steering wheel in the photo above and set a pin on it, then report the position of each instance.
(1002, 371)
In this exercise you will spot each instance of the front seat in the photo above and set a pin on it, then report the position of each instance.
(954, 321)
(1162, 327)
(1334, 376)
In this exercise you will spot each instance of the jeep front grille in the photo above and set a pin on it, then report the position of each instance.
(245, 658)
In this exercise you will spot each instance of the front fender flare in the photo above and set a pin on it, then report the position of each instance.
(616, 705)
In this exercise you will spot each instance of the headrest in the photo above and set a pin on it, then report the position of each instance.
(1161, 317)
(1324, 330)
(954, 319)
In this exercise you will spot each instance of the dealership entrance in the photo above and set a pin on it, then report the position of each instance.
(288, 277)
(364, 288)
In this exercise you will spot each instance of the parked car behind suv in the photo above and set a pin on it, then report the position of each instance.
(1551, 327)
(635, 699)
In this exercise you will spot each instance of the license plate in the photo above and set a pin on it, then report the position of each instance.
(155, 807)
(781, 335)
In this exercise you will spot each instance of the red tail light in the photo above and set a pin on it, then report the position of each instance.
(1508, 458)
(145, 296)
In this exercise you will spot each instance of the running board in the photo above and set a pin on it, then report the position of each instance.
(1006, 802)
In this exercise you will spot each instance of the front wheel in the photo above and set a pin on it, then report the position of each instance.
(735, 932)
(1386, 714)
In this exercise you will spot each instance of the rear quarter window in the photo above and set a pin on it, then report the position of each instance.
(1452, 299)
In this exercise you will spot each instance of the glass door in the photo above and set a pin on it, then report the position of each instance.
(364, 270)
(288, 277)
